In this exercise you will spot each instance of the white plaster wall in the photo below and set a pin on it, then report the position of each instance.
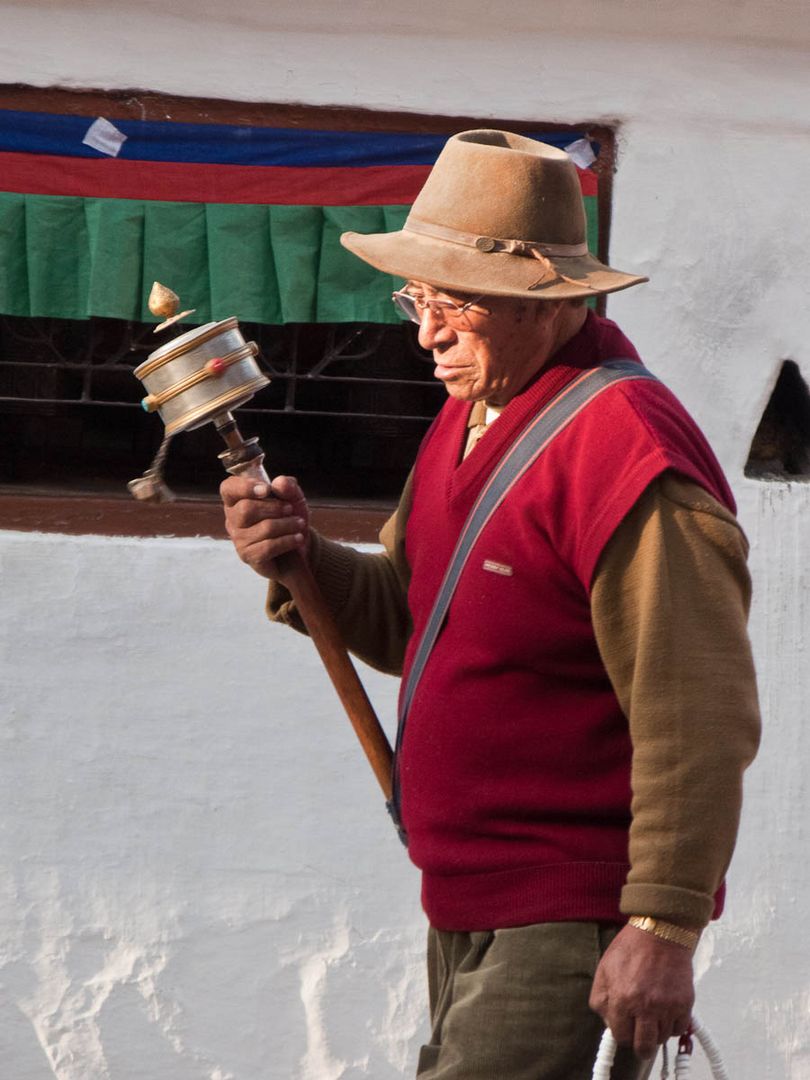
(201, 882)
(199, 876)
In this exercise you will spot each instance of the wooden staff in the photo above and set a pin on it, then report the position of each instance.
(245, 458)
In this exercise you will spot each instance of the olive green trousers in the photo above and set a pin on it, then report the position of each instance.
(513, 1005)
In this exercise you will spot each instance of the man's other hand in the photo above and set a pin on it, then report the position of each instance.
(263, 526)
(644, 990)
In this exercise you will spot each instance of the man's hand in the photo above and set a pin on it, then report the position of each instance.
(644, 990)
(263, 527)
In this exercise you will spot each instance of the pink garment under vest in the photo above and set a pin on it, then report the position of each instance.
(515, 762)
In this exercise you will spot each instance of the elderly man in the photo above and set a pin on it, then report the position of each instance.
(578, 715)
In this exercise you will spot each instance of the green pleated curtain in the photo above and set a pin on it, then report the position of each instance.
(73, 258)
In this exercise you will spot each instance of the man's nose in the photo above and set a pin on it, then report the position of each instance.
(434, 331)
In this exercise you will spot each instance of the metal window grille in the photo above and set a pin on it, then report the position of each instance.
(346, 407)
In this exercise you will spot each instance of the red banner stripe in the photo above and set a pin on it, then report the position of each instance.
(115, 178)
(588, 181)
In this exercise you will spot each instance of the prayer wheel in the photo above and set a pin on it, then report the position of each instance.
(200, 375)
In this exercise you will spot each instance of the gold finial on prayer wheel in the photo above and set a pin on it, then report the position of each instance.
(164, 301)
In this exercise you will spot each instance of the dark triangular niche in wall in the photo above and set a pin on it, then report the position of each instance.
(781, 446)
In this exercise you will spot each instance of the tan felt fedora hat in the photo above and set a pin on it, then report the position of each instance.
(499, 214)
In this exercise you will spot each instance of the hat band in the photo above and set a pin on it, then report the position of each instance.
(488, 244)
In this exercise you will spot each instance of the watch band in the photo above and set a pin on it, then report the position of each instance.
(666, 931)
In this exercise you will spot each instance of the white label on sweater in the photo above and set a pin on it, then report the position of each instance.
(498, 567)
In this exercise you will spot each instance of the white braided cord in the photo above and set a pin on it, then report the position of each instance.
(682, 1063)
(607, 1052)
(605, 1055)
(710, 1050)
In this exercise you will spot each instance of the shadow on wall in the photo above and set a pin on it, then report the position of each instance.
(780, 449)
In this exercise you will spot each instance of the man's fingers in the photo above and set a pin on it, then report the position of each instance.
(236, 488)
(286, 488)
(646, 1038)
(261, 555)
(644, 1033)
(623, 1029)
(246, 526)
(248, 513)
(248, 502)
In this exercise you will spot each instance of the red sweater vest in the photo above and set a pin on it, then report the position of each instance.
(515, 762)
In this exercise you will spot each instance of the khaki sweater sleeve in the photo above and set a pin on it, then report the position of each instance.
(669, 604)
(367, 593)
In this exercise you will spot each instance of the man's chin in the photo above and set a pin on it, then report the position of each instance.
(461, 392)
(456, 385)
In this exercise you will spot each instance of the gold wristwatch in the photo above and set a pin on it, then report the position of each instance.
(666, 931)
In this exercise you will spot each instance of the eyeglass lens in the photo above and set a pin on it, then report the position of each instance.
(407, 305)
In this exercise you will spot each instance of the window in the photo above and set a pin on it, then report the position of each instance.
(780, 449)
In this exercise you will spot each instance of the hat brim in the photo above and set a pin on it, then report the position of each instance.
(454, 266)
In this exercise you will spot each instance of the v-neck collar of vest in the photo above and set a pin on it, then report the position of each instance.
(471, 471)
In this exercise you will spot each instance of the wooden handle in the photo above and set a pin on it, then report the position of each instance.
(297, 577)
(321, 626)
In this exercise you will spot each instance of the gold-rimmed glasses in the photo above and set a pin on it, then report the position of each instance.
(413, 307)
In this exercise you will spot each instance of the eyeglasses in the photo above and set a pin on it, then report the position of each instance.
(414, 307)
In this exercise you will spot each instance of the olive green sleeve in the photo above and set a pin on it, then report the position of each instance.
(670, 604)
(366, 592)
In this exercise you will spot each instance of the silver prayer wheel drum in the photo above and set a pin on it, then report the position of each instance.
(200, 375)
